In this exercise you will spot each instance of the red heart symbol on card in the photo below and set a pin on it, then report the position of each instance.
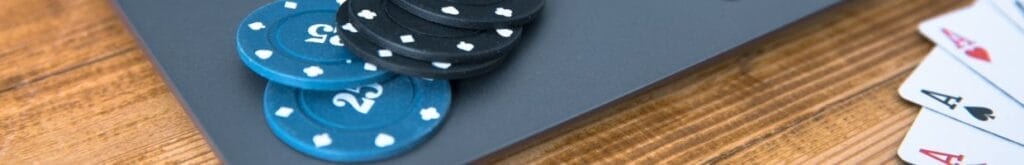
(978, 53)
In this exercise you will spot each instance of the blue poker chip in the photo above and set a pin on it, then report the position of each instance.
(294, 43)
(365, 123)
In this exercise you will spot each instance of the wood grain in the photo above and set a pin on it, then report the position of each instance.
(76, 87)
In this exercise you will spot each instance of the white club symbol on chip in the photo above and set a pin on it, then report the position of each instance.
(384, 140)
(264, 54)
(503, 12)
(256, 26)
(465, 46)
(441, 65)
(504, 32)
(313, 71)
(450, 10)
(322, 139)
(429, 113)
(284, 112)
(367, 14)
(384, 53)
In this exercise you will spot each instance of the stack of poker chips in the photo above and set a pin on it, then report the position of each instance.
(431, 38)
(367, 80)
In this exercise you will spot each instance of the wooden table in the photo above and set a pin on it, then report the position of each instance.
(76, 87)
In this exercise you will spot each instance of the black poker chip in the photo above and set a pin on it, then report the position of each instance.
(474, 14)
(394, 28)
(392, 61)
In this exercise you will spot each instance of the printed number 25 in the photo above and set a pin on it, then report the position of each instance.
(343, 99)
(316, 37)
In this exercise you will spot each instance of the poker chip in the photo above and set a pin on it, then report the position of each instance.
(394, 28)
(474, 14)
(332, 93)
(293, 43)
(364, 123)
(403, 65)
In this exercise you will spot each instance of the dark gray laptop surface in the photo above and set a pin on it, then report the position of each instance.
(579, 56)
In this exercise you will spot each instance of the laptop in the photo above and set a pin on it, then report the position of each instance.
(576, 58)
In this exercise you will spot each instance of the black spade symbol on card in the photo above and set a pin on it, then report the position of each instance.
(981, 113)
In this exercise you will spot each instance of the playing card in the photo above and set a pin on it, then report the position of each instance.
(1012, 9)
(983, 39)
(937, 139)
(942, 84)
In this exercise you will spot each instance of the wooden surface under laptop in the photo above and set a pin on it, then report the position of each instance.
(76, 87)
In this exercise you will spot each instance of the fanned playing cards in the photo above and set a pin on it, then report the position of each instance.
(970, 87)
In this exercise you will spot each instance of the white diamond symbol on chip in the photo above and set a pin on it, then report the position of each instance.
(384, 140)
(313, 71)
(348, 61)
(290, 5)
(441, 65)
(256, 26)
(340, 2)
(348, 27)
(322, 139)
(465, 46)
(451, 10)
(505, 32)
(430, 113)
(407, 39)
(384, 53)
(367, 14)
(284, 112)
(369, 67)
(503, 12)
(264, 54)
